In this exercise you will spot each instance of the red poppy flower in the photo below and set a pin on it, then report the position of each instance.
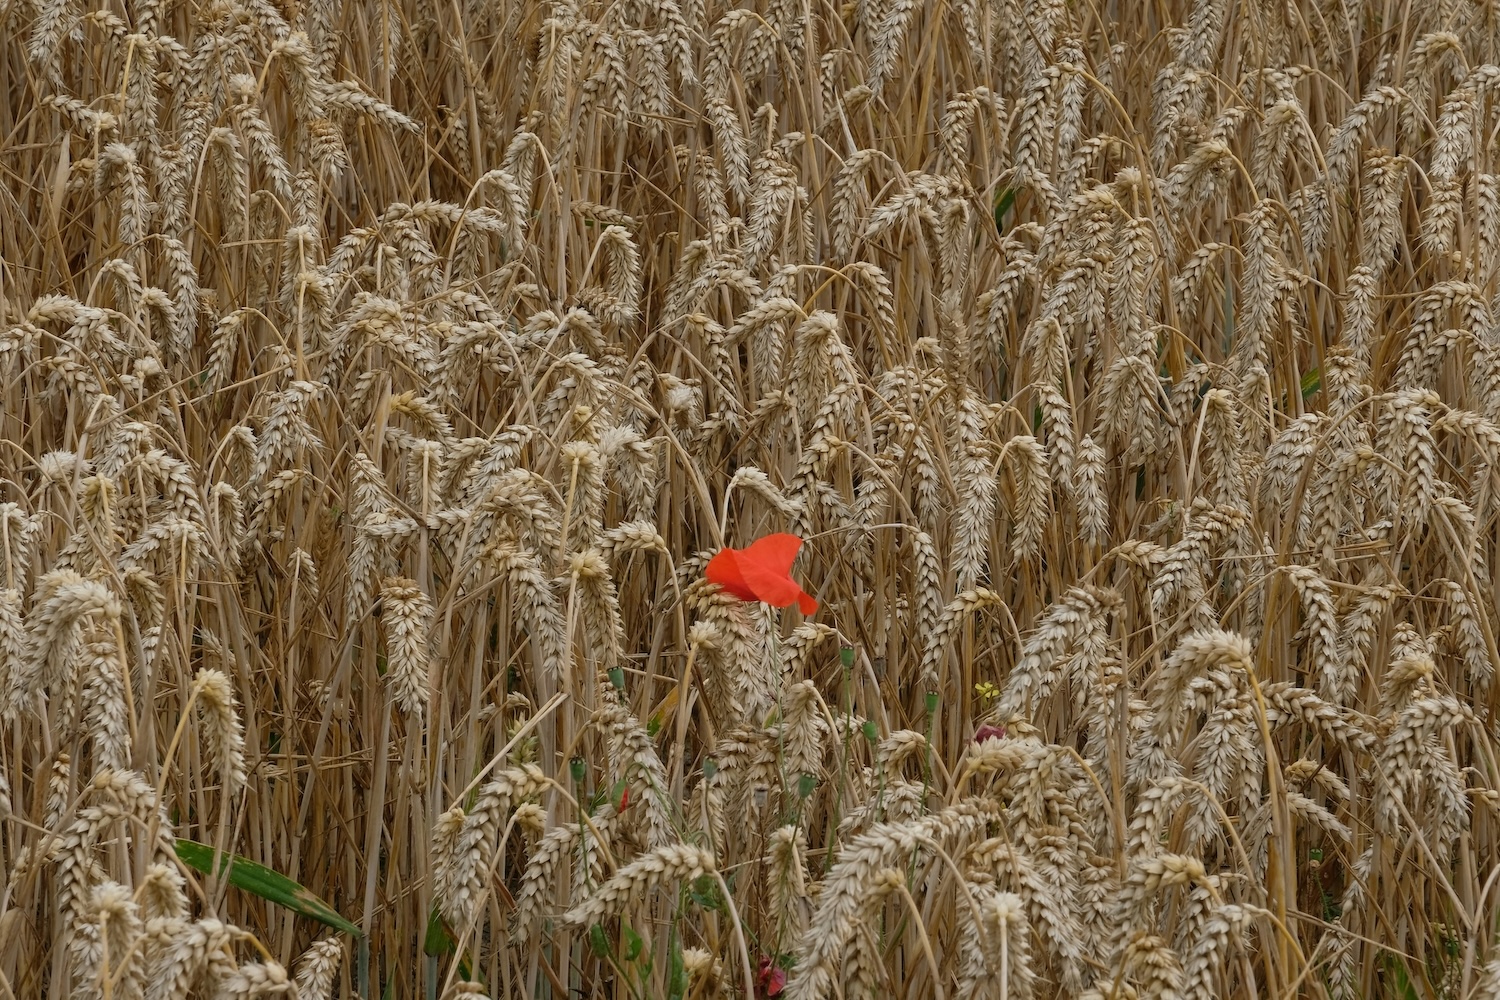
(762, 572)
(770, 977)
(989, 732)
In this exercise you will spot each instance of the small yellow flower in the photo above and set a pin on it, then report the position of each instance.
(986, 691)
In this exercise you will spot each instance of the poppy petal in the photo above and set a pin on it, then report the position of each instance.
(761, 572)
(775, 552)
(776, 589)
(724, 569)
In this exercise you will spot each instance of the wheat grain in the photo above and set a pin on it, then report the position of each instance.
(223, 731)
(407, 616)
(668, 863)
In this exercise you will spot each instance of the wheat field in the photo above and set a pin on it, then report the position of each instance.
(377, 378)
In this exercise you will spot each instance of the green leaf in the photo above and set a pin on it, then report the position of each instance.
(265, 883)
(1397, 971)
(705, 892)
(633, 943)
(598, 941)
(1003, 201)
(1312, 382)
(438, 941)
(677, 980)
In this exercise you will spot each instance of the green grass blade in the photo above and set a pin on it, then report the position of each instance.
(1003, 202)
(265, 883)
(1311, 383)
